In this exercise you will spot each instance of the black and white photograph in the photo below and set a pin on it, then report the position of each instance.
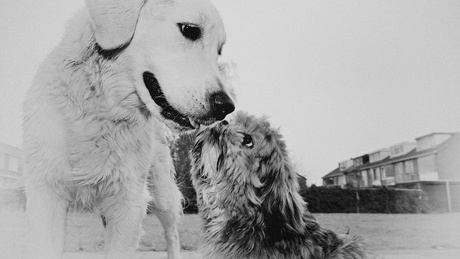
(216, 129)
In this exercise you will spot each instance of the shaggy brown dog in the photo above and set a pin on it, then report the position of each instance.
(249, 201)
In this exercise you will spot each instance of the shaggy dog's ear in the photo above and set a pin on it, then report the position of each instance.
(282, 206)
(114, 21)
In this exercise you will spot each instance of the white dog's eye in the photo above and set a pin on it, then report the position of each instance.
(247, 141)
(190, 31)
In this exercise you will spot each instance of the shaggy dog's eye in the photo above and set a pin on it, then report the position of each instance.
(247, 141)
(190, 31)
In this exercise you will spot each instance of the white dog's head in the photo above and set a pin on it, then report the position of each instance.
(173, 47)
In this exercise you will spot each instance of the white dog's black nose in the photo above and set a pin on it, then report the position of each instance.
(221, 105)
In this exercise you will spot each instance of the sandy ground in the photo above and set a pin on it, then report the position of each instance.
(13, 230)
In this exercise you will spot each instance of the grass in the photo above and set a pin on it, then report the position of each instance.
(381, 231)
(399, 231)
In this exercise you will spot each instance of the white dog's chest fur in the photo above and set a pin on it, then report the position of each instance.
(98, 149)
(104, 158)
(115, 149)
(99, 137)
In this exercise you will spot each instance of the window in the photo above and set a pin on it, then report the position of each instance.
(395, 151)
(387, 171)
(409, 167)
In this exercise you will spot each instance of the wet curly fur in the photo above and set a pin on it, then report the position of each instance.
(249, 201)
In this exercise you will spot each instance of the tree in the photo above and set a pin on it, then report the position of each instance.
(180, 152)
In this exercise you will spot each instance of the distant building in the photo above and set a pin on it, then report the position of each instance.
(335, 178)
(11, 166)
(302, 182)
(432, 157)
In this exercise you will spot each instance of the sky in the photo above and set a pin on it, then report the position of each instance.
(339, 78)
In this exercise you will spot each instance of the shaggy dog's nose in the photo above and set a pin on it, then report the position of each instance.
(221, 105)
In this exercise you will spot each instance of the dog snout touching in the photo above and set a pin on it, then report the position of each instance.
(221, 105)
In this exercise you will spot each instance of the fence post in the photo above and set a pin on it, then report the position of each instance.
(357, 201)
(387, 201)
(449, 202)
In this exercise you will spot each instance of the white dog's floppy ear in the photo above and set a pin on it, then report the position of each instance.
(114, 21)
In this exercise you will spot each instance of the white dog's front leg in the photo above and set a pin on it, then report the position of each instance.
(124, 214)
(47, 213)
(167, 207)
(169, 220)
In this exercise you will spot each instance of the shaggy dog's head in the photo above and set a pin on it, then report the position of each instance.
(171, 47)
(242, 173)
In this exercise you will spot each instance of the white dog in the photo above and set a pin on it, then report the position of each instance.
(99, 107)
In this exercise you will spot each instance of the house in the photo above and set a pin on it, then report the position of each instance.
(375, 175)
(11, 166)
(382, 170)
(430, 164)
(353, 175)
(302, 181)
(334, 178)
(348, 173)
(432, 157)
(337, 176)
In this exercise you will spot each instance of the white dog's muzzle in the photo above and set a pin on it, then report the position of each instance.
(219, 102)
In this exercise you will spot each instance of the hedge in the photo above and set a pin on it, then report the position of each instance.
(338, 200)
(375, 200)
